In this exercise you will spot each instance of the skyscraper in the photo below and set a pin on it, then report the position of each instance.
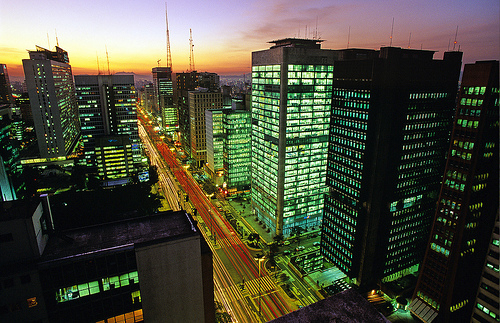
(49, 81)
(107, 105)
(164, 98)
(199, 101)
(5, 89)
(467, 204)
(389, 133)
(186, 82)
(291, 98)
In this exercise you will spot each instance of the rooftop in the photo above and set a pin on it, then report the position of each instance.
(162, 226)
(347, 306)
(297, 42)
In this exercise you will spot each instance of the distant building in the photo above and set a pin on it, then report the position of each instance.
(214, 128)
(146, 94)
(135, 270)
(164, 99)
(467, 205)
(291, 103)
(6, 97)
(199, 101)
(237, 157)
(49, 82)
(107, 106)
(392, 111)
(185, 82)
(10, 167)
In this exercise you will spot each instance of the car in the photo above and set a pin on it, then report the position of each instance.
(316, 243)
(286, 243)
(286, 252)
(300, 248)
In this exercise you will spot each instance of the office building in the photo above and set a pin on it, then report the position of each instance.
(291, 102)
(486, 306)
(147, 97)
(199, 101)
(392, 113)
(133, 270)
(164, 99)
(186, 82)
(49, 82)
(467, 205)
(107, 106)
(6, 97)
(214, 128)
(114, 159)
(237, 157)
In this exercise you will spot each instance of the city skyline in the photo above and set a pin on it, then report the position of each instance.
(225, 33)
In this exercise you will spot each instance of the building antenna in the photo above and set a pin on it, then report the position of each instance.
(98, 68)
(449, 41)
(409, 41)
(348, 36)
(191, 53)
(455, 42)
(392, 31)
(316, 31)
(57, 40)
(48, 42)
(169, 54)
(107, 58)
(306, 33)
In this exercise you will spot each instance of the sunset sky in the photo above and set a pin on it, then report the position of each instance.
(226, 32)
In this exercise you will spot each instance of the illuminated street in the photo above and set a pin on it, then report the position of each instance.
(234, 265)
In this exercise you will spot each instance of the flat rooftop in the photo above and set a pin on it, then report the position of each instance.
(84, 241)
(345, 307)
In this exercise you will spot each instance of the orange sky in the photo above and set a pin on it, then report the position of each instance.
(226, 32)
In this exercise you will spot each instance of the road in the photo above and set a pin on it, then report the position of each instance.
(234, 266)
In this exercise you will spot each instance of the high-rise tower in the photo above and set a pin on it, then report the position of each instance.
(52, 97)
(164, 98)
(291, 97)
(389, 133)
(107, 105)
(467, 205)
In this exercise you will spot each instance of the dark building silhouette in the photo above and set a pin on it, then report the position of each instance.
(486, 304)
(150, 269)
(467, 205)
(392, 113)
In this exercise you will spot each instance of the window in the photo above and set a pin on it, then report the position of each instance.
(32, 302)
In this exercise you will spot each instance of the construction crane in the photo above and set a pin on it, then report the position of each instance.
(191, 54)
(169, 54)
(158, 62)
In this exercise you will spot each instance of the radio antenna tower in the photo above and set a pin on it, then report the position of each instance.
(191, 53)
(392, 31)
(169, 54)
(455, 42)
(107, 58)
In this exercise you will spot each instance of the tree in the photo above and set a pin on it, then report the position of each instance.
(153, 175)
(221, 316)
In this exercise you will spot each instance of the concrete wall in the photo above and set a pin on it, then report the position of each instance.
(170, 279)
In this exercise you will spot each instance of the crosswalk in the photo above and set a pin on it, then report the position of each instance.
(265, 284)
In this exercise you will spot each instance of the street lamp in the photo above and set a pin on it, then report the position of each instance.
(260, 285)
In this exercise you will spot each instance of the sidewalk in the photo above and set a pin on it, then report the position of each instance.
(241, 210)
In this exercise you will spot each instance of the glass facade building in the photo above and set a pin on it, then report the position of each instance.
(237, 150)
(164, 99)
(291, 98)
(215, 143)
(389, 132)
(467, 206)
